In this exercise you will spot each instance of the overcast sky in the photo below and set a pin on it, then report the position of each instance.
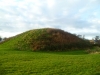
(75, 16)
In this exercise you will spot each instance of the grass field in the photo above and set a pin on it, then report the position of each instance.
(14, 62)
(19, 57)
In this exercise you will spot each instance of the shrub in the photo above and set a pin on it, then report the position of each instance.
(96, 50)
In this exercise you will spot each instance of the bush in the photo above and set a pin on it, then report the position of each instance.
(96, 50)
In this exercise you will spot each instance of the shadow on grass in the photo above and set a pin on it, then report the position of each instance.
(72, 52)
(2, 70)
(77, 52)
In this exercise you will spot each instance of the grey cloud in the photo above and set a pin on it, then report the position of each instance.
(54, 17)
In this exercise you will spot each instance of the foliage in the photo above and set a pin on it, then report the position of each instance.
(96, 50)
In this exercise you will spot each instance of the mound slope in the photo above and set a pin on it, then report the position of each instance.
(46, 39)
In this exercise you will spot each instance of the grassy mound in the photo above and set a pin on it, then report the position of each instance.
(46, 39)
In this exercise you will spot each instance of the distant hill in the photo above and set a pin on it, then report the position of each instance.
(46, 39)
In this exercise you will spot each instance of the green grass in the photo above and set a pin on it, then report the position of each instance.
(14, 62)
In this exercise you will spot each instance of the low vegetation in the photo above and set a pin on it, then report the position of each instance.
(96, 50)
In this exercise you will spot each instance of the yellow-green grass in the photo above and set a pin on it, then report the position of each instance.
(14, 62)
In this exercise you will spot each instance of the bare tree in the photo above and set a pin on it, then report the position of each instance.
(0, 38)
(96, 38)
